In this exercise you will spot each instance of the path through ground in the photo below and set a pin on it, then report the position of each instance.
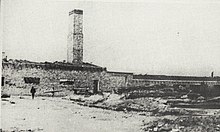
(58, 115)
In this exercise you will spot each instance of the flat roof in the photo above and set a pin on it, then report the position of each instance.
(164, 77)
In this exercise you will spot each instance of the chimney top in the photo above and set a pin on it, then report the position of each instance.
(76, 11)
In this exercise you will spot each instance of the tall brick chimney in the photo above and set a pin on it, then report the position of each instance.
(75, 37)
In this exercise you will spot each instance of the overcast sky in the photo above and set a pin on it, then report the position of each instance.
(172, 38)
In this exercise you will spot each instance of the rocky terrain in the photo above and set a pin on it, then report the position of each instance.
(209, 123)
(179, 119)
(157, 110)
(46, 114)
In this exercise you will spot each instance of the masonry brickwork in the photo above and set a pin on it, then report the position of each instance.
(51, 76)
(75, 37)
(83, 76)
(79, 73)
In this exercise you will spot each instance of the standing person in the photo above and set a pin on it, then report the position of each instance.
(33, 91)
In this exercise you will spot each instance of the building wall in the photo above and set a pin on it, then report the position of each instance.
(14, 83)
(139, 83)
(75, 37)
(112, 80)
(146, 82)
(14, 79)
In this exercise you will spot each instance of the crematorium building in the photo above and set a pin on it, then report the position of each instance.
(18, 76)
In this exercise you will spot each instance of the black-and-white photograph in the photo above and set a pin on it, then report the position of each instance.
(110, 66)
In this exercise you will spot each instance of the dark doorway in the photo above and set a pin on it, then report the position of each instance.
(3, 81)
(96, 86)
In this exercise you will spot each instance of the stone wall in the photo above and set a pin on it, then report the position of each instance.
(14, 83)
(14, 78)
(112, 80)
(146, 82)
(15, 72)
(139, 83)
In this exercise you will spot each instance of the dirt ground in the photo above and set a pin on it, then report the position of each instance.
(55, 114)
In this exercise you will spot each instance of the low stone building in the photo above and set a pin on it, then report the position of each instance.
(19, 76)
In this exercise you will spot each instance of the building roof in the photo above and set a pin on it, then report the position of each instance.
(164, 77)
(54, 65)
(114, 72)
(76, 11)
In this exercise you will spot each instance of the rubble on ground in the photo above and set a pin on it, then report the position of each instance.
(89, 100)
(156, 106)
(185, 124)
(16, 129)
(157, 101)
(5, 95)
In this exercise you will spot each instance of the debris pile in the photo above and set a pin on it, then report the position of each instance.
(158, 91)
(185, 124)
(87, 99)
(153, 106)
(16, 129)
(182, 97)
(5, 96)
(119, 103)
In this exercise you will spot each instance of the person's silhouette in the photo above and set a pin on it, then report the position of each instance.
(33, 91)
